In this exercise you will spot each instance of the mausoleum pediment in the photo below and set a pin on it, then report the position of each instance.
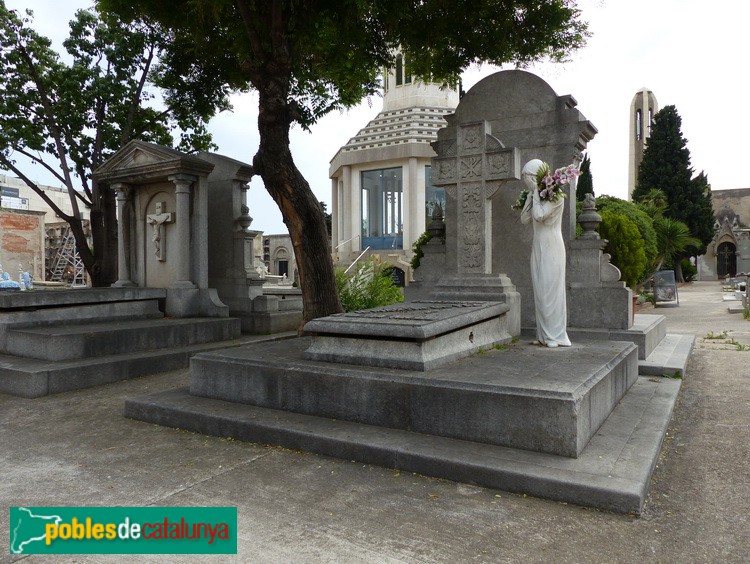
(143, 162)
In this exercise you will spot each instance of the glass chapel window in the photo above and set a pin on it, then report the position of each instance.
(382, 208)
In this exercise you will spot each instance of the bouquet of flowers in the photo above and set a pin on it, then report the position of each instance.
(549, 184)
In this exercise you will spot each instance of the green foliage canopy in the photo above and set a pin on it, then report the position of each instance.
(643, 222)
(332, 52)
(666, 166)
(625, 245)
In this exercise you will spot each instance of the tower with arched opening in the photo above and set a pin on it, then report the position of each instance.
(642, 110)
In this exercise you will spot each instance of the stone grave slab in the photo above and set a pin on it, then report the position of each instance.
(414, 336)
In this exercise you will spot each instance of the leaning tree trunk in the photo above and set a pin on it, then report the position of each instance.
(299, 207)
(104, 238)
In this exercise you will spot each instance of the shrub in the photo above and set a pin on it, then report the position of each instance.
(643, 222)
(689, 271)
(369, 286)
(416, 258)
(625, 246)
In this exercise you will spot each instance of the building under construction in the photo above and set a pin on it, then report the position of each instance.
(34, 239)
(62, 261)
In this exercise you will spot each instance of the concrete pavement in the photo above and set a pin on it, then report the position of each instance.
(76, 449)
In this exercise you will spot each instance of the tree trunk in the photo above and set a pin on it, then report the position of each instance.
(678, 276)
(299, 207)
(104, 239)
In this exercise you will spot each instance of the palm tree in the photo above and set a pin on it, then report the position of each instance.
(672, 240)
(654, 202)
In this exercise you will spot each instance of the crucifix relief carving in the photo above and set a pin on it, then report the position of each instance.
(158, 221)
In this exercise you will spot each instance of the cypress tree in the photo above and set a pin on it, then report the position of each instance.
(585, 181)
(666, 166)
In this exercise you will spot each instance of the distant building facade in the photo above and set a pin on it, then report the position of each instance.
(278, 256)
(728, 253)
(381, 180)
(22, 237)
(15, 194)
(32, 234)
(642, 110)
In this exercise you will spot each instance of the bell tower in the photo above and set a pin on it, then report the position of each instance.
(642, 110)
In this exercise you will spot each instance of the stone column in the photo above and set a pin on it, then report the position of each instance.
(183, 184)
(123, 192)
(414, 206)
(335, 218)
(348, 211)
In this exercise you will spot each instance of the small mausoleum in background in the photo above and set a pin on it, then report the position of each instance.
(728, 253)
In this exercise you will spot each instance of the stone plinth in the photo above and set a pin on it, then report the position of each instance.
(528, 397)
(412, 336)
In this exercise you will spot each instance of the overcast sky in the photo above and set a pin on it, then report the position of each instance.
(690, 53)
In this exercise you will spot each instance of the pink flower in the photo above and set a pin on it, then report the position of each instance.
(543, 194)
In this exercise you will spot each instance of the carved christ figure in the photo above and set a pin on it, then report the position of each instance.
(158, 221)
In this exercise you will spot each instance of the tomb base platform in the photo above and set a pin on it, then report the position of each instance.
(647, 331)
(577, 424)
(59, 341)
(528, 397)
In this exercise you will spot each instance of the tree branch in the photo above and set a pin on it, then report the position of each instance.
(253, 37)
(41, 162)
(31, 184)
(99, 139)
(54, 130)
(135, 101)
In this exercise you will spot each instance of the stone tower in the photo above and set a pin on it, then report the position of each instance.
(642, 110)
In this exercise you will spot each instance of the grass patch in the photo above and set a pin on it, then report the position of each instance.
(711, 335)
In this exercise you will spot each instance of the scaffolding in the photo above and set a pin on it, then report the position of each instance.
(67, 265)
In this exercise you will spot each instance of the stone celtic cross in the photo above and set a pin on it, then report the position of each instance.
(471, 168)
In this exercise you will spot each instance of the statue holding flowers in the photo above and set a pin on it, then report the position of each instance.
(542, 202)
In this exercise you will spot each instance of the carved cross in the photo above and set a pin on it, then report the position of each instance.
(159, 220)
(471, 165)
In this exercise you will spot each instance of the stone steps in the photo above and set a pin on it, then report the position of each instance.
(32, 378)
(669, 358)
(647, 332)
(67, 342)
(612, 473)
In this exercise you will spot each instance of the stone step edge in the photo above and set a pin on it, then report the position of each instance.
(32, 378)
(462, 461)
(670, 357)
(26, 342)
(119, 326)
